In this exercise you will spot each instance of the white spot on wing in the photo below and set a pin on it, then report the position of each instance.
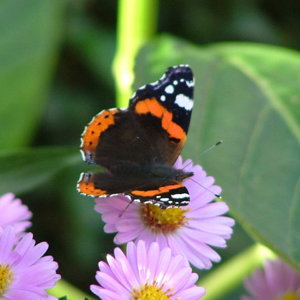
(185, 202)
(169, 89)
(164, 199)
(180, 196)
(154, 83)
(190, 83)
(163, 98)
(82, 154)
(184, 101)
(163, 77)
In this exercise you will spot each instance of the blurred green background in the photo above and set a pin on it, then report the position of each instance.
(56, 73)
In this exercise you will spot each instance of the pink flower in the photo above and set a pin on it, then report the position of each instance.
(25, 273)
(146, 273)
(189, 231)
(276, 281)
(14, 213)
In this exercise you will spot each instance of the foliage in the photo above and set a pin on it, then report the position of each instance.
(249, 98)
(56, 73)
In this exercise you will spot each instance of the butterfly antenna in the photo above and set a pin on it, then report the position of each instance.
(212, 147)
(207, 189)
(205, 151)
(123, 211)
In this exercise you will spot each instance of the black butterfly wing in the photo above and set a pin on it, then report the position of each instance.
(151, 131)
(166, 105)
(164, 194)
(154, 127)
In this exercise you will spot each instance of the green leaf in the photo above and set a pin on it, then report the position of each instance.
(62, 287)
(23, 170)
(30, 34)
(248, 96)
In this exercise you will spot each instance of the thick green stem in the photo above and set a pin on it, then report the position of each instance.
(63, 288)
(136, 25)
(226, 277)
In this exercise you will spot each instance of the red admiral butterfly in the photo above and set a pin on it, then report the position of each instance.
(139, 145)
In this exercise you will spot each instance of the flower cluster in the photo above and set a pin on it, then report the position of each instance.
(276, 281)
(146, 273)
(24, 272)
(163, 237)
(161, 246)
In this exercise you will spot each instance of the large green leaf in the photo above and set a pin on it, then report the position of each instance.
(249, 96)
(30, 32)
(23, 170)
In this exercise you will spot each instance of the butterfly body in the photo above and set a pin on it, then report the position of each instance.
(139, 145)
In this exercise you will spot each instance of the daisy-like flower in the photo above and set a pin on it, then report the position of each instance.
(14, 213)
(276, 281)
(146, 273)
(189, 231)
(24, 273)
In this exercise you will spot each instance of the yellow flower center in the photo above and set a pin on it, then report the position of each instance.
(163, 220)
(6, 277)
(151, 292)
(290, 296)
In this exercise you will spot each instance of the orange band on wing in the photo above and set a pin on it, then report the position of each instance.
(153, 107)
(161, 190)
(87, 187)
(94, 129)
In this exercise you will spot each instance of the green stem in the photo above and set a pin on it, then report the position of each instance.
(136, 25)
(231, 274)
(64, 288)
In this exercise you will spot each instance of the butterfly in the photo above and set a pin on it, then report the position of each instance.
(138, 146)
